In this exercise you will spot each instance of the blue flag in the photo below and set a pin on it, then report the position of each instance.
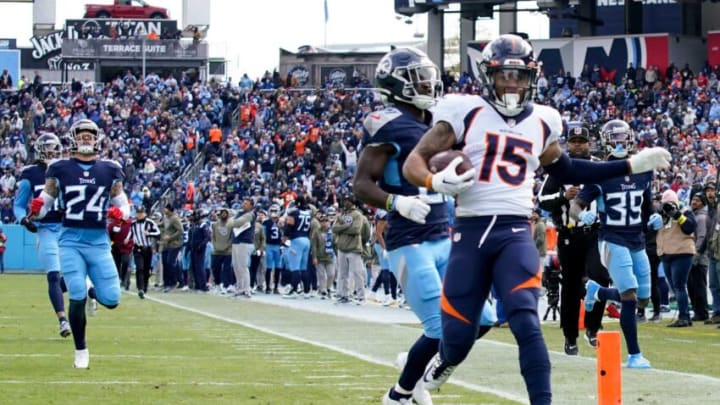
(326, 11)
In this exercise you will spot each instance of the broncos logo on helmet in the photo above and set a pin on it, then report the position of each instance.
(85, 137)
(407, 75)
(508, 71)
(617, 137)
(48, 147)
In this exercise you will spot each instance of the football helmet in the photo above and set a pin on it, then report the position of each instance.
(85, 146)
(48, 147)
(508, 71)
(407, 75)
(617, 138)
(274, 211)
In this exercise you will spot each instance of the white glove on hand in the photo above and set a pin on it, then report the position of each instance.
(587, 217)
(650, 159)
(412, 208)
(447, 181)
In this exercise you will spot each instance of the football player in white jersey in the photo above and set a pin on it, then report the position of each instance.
(507, 138)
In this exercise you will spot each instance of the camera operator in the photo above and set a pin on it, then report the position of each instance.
(676, 248)
(577, 247)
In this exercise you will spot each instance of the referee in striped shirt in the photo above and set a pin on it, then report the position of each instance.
(144, 231)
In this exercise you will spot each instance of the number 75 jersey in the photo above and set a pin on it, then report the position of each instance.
(503, 150)
(84, 190)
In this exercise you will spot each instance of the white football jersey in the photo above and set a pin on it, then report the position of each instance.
(504, 151)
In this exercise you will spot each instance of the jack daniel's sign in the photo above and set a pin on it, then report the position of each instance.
(46, 53)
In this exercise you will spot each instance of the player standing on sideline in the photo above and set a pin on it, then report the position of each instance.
(297, 230)
(417, 239)
(273, 241)
(577, 247)
(624, 205)
(84, 184)
(32, 180)
(507, 138)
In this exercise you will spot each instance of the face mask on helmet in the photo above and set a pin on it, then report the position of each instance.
(408, 76)
(509, 73)
(618, 138)
(85, 137)
(48, 147)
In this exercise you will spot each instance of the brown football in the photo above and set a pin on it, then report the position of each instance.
(441, 160)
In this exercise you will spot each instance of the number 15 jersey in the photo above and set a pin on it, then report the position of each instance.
(503, 150)
(84, 190)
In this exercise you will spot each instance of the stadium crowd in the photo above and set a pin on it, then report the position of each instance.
(265, 141)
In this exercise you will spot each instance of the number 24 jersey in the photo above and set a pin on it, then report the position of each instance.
(84, 190)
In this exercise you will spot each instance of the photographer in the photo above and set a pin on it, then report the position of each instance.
(676, 248)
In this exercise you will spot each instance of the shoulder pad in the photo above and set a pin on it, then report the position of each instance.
(378, 119)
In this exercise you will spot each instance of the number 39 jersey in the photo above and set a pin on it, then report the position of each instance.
(84, 190)
(620, 206)
(504, 152)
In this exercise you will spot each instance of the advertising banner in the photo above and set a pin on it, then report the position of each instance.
(133, 49)
(337, 74)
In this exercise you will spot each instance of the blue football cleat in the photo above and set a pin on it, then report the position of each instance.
(638, 361)
(591, 289)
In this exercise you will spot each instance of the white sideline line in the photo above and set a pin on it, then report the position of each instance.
(191, 383)
(502, 394)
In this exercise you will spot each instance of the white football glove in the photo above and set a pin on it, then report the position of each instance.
(448, 182)
(650, 159)
(412, 208)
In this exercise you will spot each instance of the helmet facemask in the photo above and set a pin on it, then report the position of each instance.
(421, 85)
(48, 148)
(510, 87)
(85, 138)
(618, 138)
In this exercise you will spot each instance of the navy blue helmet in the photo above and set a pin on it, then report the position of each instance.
(508, 71)
(617, 138)
(407, 75)
(48, 147)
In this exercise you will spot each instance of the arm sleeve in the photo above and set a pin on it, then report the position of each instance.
(22, 199)
(580, 171)
(689, 225)
(589, 193)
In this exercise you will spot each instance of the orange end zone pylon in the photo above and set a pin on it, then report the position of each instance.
(609, 374)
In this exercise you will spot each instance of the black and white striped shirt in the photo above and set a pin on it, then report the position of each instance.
(143, 231)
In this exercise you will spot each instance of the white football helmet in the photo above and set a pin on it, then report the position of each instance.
(80, 139)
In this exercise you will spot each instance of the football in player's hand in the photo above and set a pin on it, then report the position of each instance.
(441, 160)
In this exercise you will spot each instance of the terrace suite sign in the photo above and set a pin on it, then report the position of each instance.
(134, 48)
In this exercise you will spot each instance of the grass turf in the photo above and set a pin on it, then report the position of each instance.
(148, 353)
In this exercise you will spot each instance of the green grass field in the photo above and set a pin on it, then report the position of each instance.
(148, 353)
(184, 348)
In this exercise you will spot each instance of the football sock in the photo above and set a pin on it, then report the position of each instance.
(305, 277)
(385, 280)
(534, 358)
(295, 278)
(612, 294)
(629, 326)
(397, 393)
(78, 321)
(393, 285)
(55, 291)
(418, 357)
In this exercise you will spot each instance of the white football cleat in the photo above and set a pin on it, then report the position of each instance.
(436, 373)
(82, 359)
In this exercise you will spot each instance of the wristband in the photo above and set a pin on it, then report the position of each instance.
(681, 220)
(428, 182)
(389, 202)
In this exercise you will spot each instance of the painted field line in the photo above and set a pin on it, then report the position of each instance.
(502, 394)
